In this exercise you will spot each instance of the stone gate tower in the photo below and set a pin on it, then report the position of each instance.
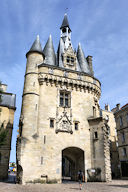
(61, 129)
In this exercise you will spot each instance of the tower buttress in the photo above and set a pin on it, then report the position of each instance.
(30, 98)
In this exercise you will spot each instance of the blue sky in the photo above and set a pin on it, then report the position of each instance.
(101, 26)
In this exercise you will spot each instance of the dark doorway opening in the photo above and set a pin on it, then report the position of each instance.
(124, 169)
(72, 162)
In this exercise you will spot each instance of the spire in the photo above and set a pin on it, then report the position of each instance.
(36, 46)
(49, 52)
(82, 60)
(65, 22)
(66, 32)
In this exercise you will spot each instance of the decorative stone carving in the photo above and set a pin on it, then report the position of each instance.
(69, 83)
(64, 123)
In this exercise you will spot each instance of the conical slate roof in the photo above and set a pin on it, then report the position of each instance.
(60, 51)
(65, 22)
(36, 47)
(48, 51)
(78, 66)
(82, 60)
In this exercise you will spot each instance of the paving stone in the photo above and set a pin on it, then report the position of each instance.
(114, 186)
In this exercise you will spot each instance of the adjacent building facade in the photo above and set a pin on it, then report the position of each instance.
(7, 110)
(114, 155)
(121, 116)
(61, 128)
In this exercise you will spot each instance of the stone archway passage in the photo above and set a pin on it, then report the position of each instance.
(72, 162)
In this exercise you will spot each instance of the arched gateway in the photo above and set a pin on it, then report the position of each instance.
(72, 162)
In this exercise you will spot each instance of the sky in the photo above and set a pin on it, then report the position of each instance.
(101, 26)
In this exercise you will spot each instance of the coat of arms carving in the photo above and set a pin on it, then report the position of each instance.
(64, 123)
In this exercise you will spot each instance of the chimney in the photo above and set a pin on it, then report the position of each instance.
(89, 60)
(118, 106)
(3, 87)
(107, 107)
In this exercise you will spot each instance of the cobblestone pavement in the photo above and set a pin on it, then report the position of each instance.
(114, 186)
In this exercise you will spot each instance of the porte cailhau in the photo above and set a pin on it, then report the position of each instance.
(61, 128)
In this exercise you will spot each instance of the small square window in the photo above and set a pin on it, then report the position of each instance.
(76, 125)
(52, 123)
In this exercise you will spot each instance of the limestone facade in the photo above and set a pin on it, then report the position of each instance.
(121, 116)
(7, 110)
(61, 129)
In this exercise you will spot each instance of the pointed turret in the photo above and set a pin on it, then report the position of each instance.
(36, 46)
(65, 22)
(48, 51)
(82, 60)
(60, 51)
(66, 32)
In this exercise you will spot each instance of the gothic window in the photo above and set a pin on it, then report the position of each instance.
(64, 99)
(51, 123)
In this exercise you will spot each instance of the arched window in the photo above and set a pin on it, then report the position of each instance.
(64, 30)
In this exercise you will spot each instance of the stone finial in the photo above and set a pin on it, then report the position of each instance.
(89, 60)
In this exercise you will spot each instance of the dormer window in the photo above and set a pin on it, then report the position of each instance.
(70, 60)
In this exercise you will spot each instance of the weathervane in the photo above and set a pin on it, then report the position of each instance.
(66, 10)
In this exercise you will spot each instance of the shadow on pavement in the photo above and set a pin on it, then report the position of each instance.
(122, 186)
(75, 188)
